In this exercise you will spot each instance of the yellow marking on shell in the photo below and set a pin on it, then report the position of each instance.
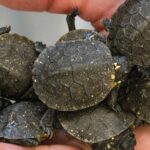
(116, 66)
(74, 108)
(89, 133)
(133, 126)
(114, 84)
(138, 113)
(108, 146)
(112, 76)
(118, 82)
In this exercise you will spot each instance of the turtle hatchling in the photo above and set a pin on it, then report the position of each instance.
(130, 32)
(76, 73)
(95, 124)
(136, 94)
(17, 55)
(20, 124)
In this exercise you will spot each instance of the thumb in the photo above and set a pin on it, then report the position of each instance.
(142, 135)
(4, 146)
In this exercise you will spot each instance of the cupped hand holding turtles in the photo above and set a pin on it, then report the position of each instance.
(90, 10)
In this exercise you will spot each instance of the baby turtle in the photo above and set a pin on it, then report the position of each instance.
(123, 141)
(20, 124)
(74, 75)
(78, 72)
(130, 32)
(96, 124)
(17, 55)
(137, 97)
(121, 66)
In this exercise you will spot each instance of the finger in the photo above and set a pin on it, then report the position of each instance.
(60, 141)
(90, 10)
(98, 22)
(54, 147)
(4, 146)
(36, 5)
(94, 10)
(61, 137)
(57, 6)
(142, 135)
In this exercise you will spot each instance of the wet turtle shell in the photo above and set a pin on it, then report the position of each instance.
(137, 96)
(82, 34)
(20, 123)
(74, 75)
(130, 32)
(74, 35)
(17, 55)
(121, 64)
(96, 124)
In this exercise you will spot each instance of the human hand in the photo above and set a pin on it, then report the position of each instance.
(90, 10)
(59, 140)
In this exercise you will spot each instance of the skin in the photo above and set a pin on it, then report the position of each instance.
(90, 10)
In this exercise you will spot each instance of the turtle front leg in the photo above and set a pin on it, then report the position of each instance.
(106, 23)
(5, 30)
(39, 46)
(46, 122)
(71, 19)
(126, 141)
(112, 100)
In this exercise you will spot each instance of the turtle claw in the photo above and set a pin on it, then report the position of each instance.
(5, 29)
(92, 35)
(39, 46)
(46, 122)
(46, 129)
(106, 23)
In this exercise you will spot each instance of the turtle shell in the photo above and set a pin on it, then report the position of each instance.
(137, 96)
(95, 124)
(82, 34)
(120, 62)
(130, 32)
(20, 123)
(17, 55)
(74, 35)
(74, 75)
(123, 141)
